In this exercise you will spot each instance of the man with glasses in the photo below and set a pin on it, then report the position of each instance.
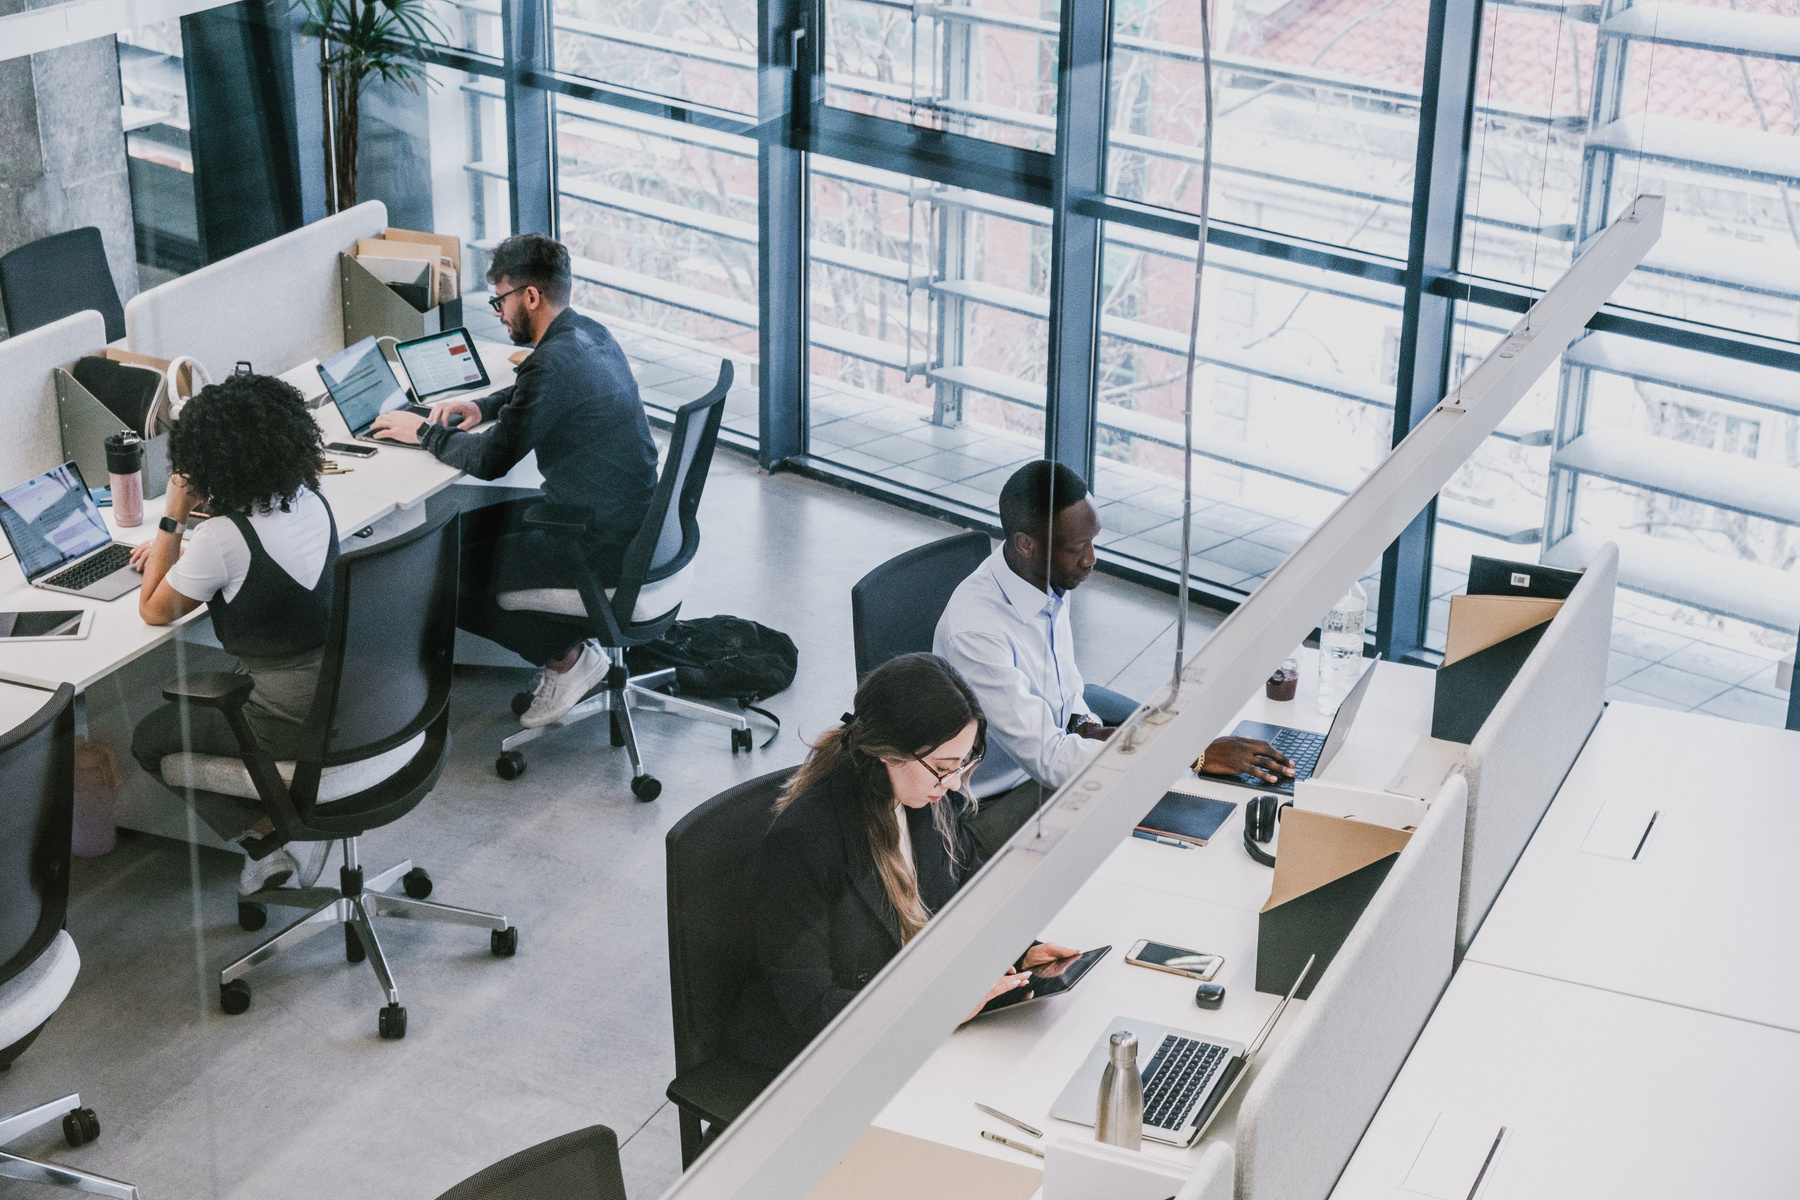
(575, 403)
(1006, 630)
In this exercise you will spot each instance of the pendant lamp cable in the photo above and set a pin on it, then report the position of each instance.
(1193, 348)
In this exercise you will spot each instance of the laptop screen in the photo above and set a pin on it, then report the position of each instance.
(1346, 717)
(443, 362)
(51, 520)
(362, 385)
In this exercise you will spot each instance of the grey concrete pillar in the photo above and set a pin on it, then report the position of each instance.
(62, 150)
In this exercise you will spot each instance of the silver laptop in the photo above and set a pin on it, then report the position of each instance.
(363, 386)
(1310, 752)
(60, 539)
(1187, 1077)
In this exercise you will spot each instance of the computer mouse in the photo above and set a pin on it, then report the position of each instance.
(1209, 995)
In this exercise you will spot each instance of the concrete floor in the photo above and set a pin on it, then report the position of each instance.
(299, 1097)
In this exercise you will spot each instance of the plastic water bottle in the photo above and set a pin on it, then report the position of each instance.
(1340, 647)
(1121, 1109)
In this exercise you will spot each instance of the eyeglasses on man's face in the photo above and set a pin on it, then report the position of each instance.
(494, 302)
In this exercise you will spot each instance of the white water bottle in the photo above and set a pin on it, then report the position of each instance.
(1340, 647)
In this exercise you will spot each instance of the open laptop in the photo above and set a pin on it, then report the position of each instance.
(1186, 1076)
(61, 540)
(1310, 752)
(442, 364)
(363, 386)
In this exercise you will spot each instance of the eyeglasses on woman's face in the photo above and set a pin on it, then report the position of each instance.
(959, 771)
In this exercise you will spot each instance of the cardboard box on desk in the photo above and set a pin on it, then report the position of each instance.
(374, 309)
(1327, 869)
(1493, 630)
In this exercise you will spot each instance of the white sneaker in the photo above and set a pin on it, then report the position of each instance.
(312, 860)
(270, 871)
(557, 694)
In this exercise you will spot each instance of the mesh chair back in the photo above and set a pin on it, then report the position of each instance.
(712, 856)
(670, 535)
(47, 280)
(388, 658)
(894, 609)
(583, 1165)
(37, 812)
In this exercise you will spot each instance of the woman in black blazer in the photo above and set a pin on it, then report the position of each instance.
(839, 890)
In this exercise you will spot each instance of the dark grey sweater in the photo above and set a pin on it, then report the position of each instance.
(574, 402)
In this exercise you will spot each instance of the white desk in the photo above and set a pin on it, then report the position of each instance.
(1205, 898)
(1708, 914)
(395, 479)
(1602, 1095)
(17, 704)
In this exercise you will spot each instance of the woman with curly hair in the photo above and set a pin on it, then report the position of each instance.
(247, 454)
(868, 841)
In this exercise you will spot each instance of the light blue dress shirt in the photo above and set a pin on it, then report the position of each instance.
(1014, 646)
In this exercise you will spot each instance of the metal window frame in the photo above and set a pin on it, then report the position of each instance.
(793, 123)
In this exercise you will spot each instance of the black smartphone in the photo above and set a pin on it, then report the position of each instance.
(351, 449)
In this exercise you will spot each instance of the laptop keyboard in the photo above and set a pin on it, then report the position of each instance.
(92, 570)
(1177, 1077)
(1302, 748)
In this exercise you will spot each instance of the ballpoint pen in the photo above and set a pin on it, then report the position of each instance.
(1160, 840)
(1013, 1121)
(1006, 1141)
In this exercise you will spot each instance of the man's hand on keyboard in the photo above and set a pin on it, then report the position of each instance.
(1248, 756)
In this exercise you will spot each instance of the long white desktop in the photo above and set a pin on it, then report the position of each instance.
(1206, 898)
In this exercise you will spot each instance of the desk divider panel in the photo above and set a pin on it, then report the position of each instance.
(1319, 1088)
(33, 439)
(276, 305)
(1528, 743)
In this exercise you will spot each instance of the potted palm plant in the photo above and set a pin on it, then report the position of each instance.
(386, 39)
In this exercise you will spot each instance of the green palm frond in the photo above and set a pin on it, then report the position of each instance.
(384, 38)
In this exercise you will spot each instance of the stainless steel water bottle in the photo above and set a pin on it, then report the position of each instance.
(1121, 1096)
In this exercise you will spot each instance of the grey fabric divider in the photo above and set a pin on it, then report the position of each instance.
(1214, 1178)
(1529, 742)
(32, 443)
(275, 305)
(1319, 1088)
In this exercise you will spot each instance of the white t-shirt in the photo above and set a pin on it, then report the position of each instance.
(216, 558)
(905, 837)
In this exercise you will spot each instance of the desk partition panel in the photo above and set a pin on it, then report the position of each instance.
(275, 305)
(32, 440)
(1530, 740)
(1318, 1089)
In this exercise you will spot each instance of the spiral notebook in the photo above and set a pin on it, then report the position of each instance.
(1187, 818)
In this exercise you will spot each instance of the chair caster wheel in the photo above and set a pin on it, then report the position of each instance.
(741, 740)
(252, 917)
(80, 1126)
(646, 787)
(520, 702)
(234, 997)
(416, 883)
(353, 947)
(510, 765)
(504, 942)
(391, 1022)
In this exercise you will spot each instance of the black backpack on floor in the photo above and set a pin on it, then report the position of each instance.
(722, 658)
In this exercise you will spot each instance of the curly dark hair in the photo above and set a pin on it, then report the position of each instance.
(247, 444)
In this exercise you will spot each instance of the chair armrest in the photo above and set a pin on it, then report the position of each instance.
(558, 516)
(213, 689)
(719, 1090)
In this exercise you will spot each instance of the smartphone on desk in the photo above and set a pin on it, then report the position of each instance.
(1159, 956)
(350, 448)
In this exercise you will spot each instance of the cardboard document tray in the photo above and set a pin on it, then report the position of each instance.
(86, 424)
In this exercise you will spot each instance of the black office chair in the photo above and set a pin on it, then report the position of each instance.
(583, 1165)
(377, 739)
(47, 280)
(712, 855)
(38, 960)
(894, 609)
(652, 585)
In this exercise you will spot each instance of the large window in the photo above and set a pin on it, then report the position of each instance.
(1317, 120)
(699, 50)
(927, 331)
(660, 218)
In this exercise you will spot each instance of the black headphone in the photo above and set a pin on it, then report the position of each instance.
(1260, 817)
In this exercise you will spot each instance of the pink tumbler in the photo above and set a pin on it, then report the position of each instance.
(125, 471)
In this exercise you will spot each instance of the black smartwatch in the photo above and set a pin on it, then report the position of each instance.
(170, 525)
